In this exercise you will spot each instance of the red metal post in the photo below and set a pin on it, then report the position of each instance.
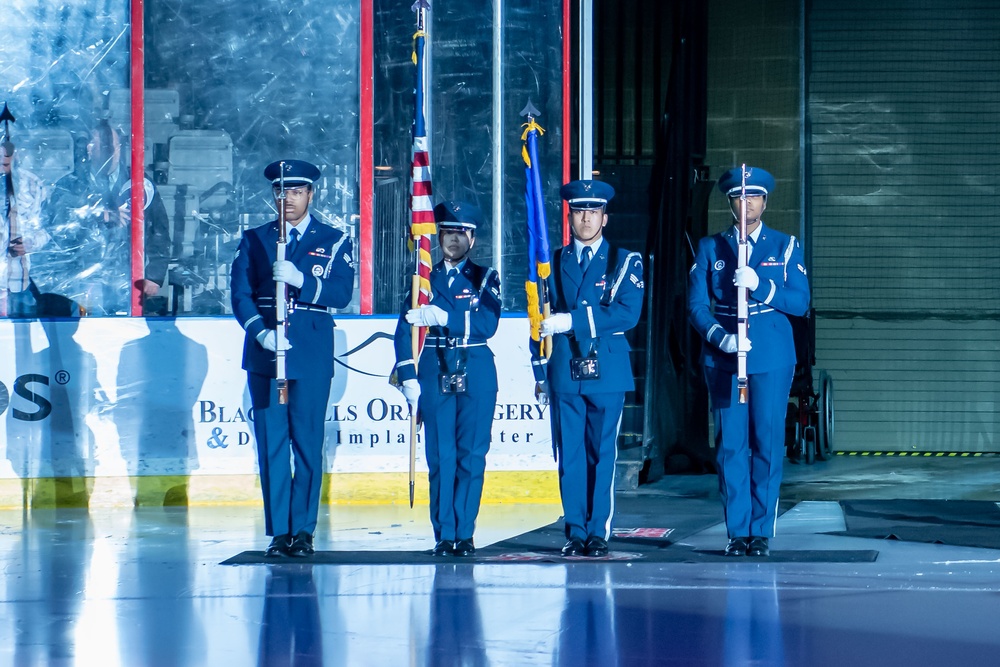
(138, 145)
(366, 169)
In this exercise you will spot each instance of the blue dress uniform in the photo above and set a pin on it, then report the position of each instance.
(604, 302)
(457, 425)
(325, 257)
(749, 437)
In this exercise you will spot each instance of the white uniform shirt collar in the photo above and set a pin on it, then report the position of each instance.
(755, 234)
(578, 247)
(302, 226)
(459, 266)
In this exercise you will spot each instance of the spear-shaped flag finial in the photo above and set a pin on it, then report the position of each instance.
(420, 8)
(530, 111)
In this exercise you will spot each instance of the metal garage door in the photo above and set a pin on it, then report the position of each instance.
(903, 106)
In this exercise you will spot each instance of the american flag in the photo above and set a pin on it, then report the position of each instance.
(422, 225)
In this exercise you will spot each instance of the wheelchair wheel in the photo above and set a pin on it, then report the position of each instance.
(824, 443)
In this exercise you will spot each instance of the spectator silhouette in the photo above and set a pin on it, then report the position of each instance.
(89, 220)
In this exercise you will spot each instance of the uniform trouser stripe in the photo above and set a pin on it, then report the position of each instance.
(457, 428)
(291, 496)
(750, 447)
(588, 427)
(611, 491)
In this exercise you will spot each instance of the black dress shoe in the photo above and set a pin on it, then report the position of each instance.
(597, 546)
(302, 545)
(737, 546)
(575, 547)
(443, 548)
(758, 547)
(465, 548)
(278, 546)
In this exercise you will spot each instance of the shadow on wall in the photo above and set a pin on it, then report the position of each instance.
(49, 445)
(159, 379)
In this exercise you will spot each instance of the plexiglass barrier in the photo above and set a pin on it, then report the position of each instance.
(229, 87)
(487, 61)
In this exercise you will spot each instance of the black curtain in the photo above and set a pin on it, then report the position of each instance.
(676, 398)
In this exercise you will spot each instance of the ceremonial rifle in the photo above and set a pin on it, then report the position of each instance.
(281, 294)
(743, 295)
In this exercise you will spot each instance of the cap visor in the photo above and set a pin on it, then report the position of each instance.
(587, 204)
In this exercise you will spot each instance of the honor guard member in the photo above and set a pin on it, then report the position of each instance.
(596, 296)
(319, 271)
(455, 386)
(749, 437)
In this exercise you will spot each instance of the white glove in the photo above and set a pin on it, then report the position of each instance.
(728, 344)
(285, 272)
(269, 339)
(557, 323)
(427, 316)
(542, 393)
(746, 277)
(411, 392)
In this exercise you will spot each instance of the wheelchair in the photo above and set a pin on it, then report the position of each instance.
(809, 422)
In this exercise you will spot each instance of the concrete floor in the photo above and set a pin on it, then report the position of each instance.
(145, 588)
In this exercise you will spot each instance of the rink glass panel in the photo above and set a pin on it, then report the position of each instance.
(467, 49)
(231, 87)
(254, 83)
(61, 65)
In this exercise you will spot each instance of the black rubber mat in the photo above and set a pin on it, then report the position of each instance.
(617, 554)
(969, 523)
(645, 542)
(662, 519)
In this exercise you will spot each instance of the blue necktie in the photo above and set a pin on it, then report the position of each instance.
(452, 273)
(293, 237)
(585, 259)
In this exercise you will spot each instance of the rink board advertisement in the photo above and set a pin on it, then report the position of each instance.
(98, 397)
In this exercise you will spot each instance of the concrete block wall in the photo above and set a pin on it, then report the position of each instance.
(753, 101)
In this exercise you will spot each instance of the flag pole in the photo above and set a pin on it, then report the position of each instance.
(422, 216)
(539, 266)
(416, 333)
(539, 306)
